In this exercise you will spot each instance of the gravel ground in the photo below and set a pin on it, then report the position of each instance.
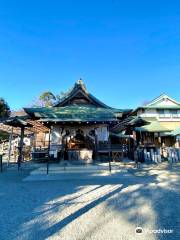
(91, 209)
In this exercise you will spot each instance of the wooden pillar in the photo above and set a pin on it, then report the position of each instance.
(20, 157)
(49, 144)
(140, 137)
(129, 146)
(10, 143)
(96, 145)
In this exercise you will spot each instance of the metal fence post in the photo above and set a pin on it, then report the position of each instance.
(47, 170)
(1, 165)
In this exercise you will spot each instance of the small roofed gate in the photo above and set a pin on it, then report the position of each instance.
(21, 126)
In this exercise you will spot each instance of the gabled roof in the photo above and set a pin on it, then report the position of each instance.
(163, 100)
(80, 93)
(77, 106)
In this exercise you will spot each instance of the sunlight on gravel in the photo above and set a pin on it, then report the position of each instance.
(91, 209)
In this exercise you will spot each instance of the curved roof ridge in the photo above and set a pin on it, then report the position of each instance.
(79, 87)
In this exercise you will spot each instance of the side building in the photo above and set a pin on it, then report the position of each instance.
(163, 122)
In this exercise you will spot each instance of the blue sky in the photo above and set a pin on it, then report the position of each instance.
(127, 52)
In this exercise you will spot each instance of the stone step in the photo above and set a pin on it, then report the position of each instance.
(70, 170)
(104, 175)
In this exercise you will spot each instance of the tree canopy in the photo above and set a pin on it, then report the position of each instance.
(4, 108)
(48, 99)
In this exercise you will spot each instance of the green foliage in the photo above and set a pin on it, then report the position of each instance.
(4, 108)
(48, 99)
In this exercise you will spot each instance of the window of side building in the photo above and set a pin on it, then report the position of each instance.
(161, 113)
(174, 113)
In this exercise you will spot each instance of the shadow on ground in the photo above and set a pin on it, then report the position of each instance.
(40, 210)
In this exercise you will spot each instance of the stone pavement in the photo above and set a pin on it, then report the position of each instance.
(92, 208)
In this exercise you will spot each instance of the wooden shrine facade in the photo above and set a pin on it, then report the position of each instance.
(79, 124)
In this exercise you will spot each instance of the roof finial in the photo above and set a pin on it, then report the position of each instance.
(80, 81)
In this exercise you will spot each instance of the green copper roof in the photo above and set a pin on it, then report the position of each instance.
(137, 120)
(75, 113)
(176, 132)
(153, 127)
(17, 122)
